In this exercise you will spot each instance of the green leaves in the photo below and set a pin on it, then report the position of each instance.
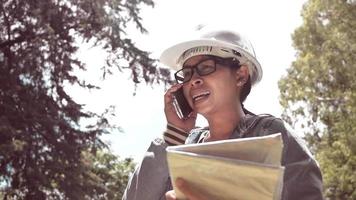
(319, 90)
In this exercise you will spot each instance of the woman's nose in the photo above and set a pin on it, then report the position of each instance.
(196, 80)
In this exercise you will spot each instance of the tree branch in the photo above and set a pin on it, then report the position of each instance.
(6, 19)
(12, 42)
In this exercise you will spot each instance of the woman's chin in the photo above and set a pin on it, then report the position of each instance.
(204, 110)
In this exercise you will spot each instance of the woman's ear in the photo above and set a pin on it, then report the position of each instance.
(242, 75)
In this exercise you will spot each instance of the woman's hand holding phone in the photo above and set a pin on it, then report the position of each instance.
(188, 122)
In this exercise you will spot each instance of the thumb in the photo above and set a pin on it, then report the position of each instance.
(171, 195)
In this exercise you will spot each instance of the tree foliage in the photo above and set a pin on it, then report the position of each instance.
(111, 172)
(319, 91)
(43, 148)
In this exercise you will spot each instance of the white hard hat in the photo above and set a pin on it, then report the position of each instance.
(222, 43)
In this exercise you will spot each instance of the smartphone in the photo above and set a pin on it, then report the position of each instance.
(181, 104)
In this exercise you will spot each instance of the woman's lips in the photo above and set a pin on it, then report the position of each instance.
(200, 95)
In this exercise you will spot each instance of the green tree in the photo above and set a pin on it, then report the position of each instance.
(319, 91)
(42, 143)
(111, 171)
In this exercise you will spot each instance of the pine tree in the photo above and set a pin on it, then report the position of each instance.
(45, 153)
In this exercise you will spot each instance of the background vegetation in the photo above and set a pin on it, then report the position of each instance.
(319, 91)
(45, 152)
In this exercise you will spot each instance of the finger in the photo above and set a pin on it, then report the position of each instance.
(168, 97)
(174, 88)
(188, 191)
(193, 115)
(171, 195)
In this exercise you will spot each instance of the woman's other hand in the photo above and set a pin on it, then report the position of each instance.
(184, 187)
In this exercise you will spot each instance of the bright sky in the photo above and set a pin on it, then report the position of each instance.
(268, 25)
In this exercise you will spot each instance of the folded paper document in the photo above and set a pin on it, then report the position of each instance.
(246, 168)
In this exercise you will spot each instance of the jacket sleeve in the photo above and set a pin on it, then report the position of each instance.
(302, 177)
(150, 180)
(174, 135)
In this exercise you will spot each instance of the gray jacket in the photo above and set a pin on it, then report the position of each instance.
(302, 176)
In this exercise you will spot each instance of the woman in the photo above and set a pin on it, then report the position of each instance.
(216, 73)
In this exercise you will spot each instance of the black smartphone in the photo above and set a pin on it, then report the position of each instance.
(181, 104)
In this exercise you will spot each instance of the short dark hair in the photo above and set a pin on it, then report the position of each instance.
(246, 89)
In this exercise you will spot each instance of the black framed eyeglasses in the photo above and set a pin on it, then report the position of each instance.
(204, 67)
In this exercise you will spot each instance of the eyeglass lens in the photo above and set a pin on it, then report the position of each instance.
(203, 68)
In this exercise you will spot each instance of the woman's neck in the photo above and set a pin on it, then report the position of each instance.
(222, 124)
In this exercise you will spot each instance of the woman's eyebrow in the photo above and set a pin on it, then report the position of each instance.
(188, 66)
(204, 58)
